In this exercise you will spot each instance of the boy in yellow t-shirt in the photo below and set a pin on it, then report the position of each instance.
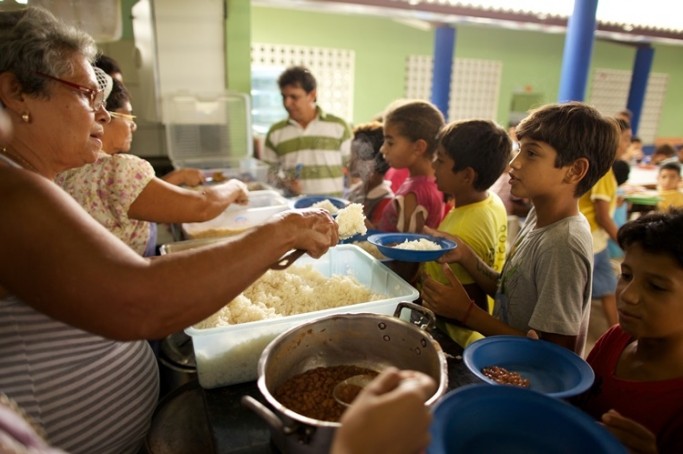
(471, 155)
(668, 181)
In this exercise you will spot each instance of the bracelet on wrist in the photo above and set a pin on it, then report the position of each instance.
(467, 313)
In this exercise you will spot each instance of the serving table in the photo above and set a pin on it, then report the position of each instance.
(192, 419)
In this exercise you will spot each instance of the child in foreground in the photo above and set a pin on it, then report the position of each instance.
(470, 157)
(545, 283)
(638, 364)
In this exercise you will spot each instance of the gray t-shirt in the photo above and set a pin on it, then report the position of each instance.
(546, 281)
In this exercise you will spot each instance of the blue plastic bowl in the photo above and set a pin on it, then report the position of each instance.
(507, 419)
(551, 369)
(309, 200)
(386, 241)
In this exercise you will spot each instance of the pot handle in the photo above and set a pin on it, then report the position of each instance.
(428, 320)
(266, 414)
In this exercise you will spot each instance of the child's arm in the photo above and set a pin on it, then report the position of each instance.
(408, 219)
(485, 276)
(452, 301)
(604, 219)
(636, 437)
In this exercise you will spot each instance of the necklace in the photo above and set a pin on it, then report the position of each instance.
(18, 159)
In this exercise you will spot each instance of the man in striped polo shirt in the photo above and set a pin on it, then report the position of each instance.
(307, 151)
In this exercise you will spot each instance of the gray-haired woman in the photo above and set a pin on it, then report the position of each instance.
(68, 286)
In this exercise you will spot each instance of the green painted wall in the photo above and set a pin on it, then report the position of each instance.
(530, 59)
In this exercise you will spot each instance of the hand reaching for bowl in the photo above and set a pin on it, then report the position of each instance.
(636, 437)
(389, 415)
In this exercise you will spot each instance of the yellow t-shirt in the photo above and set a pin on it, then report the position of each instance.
(483, 226)
(670, 199)
(604, 189)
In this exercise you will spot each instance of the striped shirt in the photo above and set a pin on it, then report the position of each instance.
(321, 149)
(90, 394)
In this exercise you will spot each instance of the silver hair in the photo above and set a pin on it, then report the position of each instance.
(32, 40)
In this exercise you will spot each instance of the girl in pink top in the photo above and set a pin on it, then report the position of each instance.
(410, 129)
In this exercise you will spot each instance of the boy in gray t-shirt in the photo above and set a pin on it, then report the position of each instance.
(546, 281)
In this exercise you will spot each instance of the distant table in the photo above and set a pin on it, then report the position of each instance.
(642, 176)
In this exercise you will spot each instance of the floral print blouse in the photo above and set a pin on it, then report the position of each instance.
(107, 188)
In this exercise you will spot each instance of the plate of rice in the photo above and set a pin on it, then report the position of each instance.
(328, 203)
(411, 247)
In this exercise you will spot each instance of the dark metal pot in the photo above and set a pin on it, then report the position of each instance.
(365, 340)
(177, 365)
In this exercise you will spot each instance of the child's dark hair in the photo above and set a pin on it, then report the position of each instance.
(108, 64)
(416, 120)
(671, 166)
(297, 76)
(482, 145)
(621, 171)
(657, 233)
(367, 140)
(575, 130)
(118, 97)
(623, 124)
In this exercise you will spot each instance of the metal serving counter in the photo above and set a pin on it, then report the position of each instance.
(192, 419)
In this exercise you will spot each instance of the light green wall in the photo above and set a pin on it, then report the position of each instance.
(381, 46)
(238, 39)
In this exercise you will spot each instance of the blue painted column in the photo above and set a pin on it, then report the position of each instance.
(444, 45)
(578, 47)
(636, 93)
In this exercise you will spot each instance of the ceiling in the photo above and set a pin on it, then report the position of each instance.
(623, 20)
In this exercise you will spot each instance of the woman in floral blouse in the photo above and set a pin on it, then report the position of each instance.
(121, 191)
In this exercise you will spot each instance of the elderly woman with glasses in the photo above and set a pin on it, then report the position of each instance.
(122, 193)
(75, 301)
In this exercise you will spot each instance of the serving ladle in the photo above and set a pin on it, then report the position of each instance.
(347, 390)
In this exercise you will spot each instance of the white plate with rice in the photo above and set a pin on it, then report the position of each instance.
(411, 247)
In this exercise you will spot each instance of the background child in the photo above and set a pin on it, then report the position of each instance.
(410, 129)
(598, 205)
(668, 181)
(369, 165)
(546, 280)
(638, 364)
(470, 157)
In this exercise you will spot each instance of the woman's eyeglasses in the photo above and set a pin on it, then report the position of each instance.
(95, 97)
(122, 116)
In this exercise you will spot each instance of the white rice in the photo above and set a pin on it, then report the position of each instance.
(351, 220)
(421, 244)
(326, 205)
(296, 290)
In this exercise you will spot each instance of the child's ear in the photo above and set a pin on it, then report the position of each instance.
(420, 146)
(576, 171)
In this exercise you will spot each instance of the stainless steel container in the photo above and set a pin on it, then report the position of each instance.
(365, 340)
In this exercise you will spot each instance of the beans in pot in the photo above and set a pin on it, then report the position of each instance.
(310, 393)
(505, 377)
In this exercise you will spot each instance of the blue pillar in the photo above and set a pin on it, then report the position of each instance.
(636, 93)
(578, 47)
(444, 44)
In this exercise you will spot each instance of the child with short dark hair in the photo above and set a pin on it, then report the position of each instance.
(470, 157)
(545, 283)
(638, 364)
(668, 182)
(410, 129)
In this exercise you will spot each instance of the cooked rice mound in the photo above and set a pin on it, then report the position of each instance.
(326, 205)
(351, 220)
(421, 244)
(296, 290)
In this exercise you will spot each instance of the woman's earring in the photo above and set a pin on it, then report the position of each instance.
(26, 117)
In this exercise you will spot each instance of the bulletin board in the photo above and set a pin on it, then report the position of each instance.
(333, 69)
(609, 94)
(475, 86)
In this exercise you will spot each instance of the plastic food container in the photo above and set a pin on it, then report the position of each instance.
(229, 354)
(212, 132)
(236, 218)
